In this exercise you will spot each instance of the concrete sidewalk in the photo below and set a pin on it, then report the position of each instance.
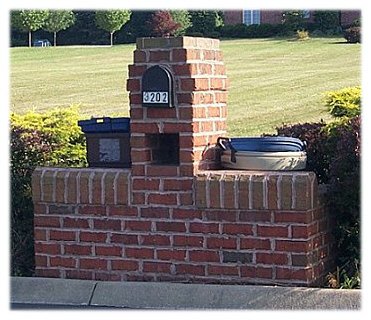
(45, 293)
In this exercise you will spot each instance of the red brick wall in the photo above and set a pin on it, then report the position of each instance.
(272, 17)
(232, 17)
(347, 17)
(243, 227)
(275, 16)
(180, 222)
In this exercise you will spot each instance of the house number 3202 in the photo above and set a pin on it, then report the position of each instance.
(155, 97)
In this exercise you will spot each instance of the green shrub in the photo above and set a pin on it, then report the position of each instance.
(302, 35)
(205, 21)
(333, 153)
(29, 148)
(36, 139)
(345, 102)
(318, 151)
(339, 279)
(264, 30)
(253, 31)
(234, 31)
(326, 20)
(353, 35)
(61, 124)
(294, 19)
(213, 34)
(344, 186)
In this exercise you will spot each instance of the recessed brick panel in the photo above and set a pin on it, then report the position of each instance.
(234, 257)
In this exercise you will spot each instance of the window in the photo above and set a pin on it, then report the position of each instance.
(306, 14)
(251, 17)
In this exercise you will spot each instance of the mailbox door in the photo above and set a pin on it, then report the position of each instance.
(158, 88)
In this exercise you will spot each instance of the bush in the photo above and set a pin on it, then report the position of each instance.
(195, 34)
(353, 35)
(302, 35)
(234, 31)
(205, 21)
(318, 153)
(264, 30)
(213, 34)
(53, 138)
(344, 186)
(29, 148)
(340, 279)
(326, 20)
(253, 31)
(344, 103)
(61, 125)
(294, 19)
(333, 153)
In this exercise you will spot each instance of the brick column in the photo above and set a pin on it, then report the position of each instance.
(198, 117)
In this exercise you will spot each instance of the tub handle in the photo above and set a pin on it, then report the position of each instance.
(224, 143)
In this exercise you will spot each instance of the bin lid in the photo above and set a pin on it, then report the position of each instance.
(105, 125)
(263, 144)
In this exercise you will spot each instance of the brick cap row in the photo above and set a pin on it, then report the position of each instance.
(256, 190)
(177, 42)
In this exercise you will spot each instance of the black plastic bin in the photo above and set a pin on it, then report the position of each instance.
(107, 141)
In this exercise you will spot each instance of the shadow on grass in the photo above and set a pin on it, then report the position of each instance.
(293, 39)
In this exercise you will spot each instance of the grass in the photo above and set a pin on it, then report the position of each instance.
(272, 81)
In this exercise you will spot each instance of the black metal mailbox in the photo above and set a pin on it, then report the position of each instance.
(158, 87)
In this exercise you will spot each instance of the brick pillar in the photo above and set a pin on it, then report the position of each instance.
(199, 117)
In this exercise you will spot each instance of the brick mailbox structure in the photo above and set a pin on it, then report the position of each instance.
(175, 215)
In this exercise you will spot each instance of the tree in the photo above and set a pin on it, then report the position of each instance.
(163, 25)
(205, 21)
(137, 27)
(184, 19)
(29, 20)
(327, 20)
(112, 20)
(58, 20)
(294, 19)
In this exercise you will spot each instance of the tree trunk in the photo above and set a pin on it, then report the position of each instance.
(111, 39)
(29, 39)
(55, 39)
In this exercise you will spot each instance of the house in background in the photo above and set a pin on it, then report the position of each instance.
(248, 17)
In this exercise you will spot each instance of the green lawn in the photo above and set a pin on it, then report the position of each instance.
(271, 81)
